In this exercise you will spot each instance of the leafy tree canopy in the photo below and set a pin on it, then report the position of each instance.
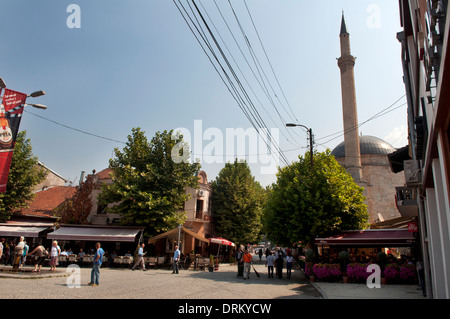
(149, 183)
(24, 175)
(237, 204)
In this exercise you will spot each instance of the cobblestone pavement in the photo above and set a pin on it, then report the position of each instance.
(156, 284)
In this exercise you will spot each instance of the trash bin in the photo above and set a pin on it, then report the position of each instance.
(240, 269)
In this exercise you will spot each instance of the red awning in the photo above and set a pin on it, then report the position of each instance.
(370, 237)
(221, 241)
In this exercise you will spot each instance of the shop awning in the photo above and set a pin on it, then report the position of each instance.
(17, 231)
(100, 234)
(175, 231)
(370, 238)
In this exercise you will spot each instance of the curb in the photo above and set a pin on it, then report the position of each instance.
(319, 290)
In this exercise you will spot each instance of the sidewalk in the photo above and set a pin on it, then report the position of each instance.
(338, 290)
(26, 272)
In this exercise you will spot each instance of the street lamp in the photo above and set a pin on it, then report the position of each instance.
(37, 93)
(38, 106)
(310, 138)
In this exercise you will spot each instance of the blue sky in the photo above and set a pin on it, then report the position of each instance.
(136, 64)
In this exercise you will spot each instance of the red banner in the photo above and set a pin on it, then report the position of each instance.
(10, 115)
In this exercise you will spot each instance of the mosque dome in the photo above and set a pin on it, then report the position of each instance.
(369, 145)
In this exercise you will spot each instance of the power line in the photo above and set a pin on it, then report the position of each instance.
(75, 129)
(379, 114)
(237, 90)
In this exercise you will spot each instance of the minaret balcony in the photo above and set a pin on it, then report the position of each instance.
(346, 62)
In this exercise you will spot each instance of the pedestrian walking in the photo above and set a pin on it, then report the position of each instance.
(270, 260)
(55, 251)
(95, 272)
(260, 253)
(140, 258)
(1, 248)
(176, 259)
(39, 257)
(289, 264)
(248, 260)
(279, 262)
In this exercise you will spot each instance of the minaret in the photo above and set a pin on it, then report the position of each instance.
(351, 136)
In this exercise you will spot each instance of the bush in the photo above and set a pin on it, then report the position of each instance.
(408, 273)
(310, 255)
(391, 272)
(309, 269)
(327, 272)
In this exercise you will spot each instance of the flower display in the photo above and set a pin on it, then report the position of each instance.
(327, 271)
(391, 271)
(357, 272)
(408, 273)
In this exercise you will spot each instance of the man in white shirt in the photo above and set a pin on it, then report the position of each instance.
(270, 259)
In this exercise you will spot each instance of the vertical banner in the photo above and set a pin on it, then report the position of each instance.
(10, 115)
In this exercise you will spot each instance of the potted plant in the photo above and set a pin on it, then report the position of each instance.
(381, 261)
(343, 262)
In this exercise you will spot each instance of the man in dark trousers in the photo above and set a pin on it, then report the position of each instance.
(279, 264)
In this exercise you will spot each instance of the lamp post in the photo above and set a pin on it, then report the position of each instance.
(310, 139)
(11, 110)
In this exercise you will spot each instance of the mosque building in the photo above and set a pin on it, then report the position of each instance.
(365, 157)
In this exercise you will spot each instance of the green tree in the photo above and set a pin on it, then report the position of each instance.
(237, 204)
(149, 183)
(24, 174)
(308, 202)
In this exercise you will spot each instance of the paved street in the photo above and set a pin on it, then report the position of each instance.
(159, 284)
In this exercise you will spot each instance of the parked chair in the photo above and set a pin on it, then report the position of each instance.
(160, 261)
(184, 263)
(151, 261)
(202, 263)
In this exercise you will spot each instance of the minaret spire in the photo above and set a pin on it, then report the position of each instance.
(351, 136)
(343, 25)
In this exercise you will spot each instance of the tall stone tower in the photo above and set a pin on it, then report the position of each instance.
(351, 136)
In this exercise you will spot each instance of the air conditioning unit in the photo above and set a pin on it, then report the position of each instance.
(412, 172)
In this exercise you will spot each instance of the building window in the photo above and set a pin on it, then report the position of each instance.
(199, 209)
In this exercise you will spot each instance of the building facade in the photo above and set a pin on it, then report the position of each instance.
(426, 66)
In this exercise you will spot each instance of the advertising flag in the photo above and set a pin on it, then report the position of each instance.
(10, 115)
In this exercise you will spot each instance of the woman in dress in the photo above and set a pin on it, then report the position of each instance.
(55, 251)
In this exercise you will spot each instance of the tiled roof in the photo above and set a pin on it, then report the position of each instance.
(46, 201)
(104, 174)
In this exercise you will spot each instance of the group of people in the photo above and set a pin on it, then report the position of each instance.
(140, 262)
(13, 254)
(276, 260)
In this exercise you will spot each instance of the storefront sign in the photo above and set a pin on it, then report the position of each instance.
(412, 227)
